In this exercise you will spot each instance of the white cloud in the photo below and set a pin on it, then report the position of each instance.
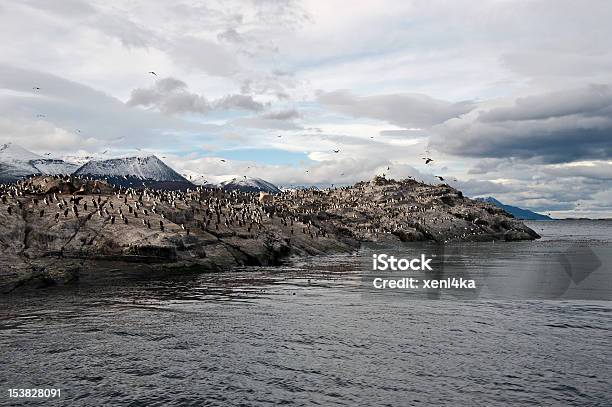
(64, 115)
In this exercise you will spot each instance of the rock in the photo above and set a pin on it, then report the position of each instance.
(58, 229)
(515, 235)
(67, 185)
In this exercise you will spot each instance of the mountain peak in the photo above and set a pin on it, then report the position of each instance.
(519, 213)
(14, 152)
(135, 171)
(143, 167)
(17, 163)
(250, 184)
(490, 199)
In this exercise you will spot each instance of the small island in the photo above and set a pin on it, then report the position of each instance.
(56, 228)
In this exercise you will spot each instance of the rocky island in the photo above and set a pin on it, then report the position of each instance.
(56, 229)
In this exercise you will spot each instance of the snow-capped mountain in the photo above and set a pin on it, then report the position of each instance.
(137, 172)
(11, 152)
(198, 179)
(16, 163)
(78, 160)
(249, 184)
(51, 166)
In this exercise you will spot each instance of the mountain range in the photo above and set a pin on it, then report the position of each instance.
(147, 171)
(518, 213)
(249, 184)
(16, 163)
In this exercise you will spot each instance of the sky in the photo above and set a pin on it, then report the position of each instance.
(511, 99)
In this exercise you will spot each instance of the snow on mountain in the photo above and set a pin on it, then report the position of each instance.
(79, 160)
(149, 167)
(52, 166)
(147, 171)
(16, 162)
(135, 171)
(249, 184)
(199, 179)
(10, 152)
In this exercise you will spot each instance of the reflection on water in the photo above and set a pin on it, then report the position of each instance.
(311, 332)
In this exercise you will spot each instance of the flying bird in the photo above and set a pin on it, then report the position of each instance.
(440, 178)
(427, 160)
(36, 88)
(152, 73)
(336, 151)
(222, 160)
(105, 151)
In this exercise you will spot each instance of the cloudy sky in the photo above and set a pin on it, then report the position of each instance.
(510, 98)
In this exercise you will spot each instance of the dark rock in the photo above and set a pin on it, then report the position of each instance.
(514, 235)
(211, 229)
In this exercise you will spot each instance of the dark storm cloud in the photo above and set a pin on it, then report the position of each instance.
(594, 170)
(593, 100)
(551, 127)
(402, 109)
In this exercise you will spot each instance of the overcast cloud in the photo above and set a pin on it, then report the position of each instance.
(170, 95)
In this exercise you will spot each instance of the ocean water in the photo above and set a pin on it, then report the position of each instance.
(315, 332)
